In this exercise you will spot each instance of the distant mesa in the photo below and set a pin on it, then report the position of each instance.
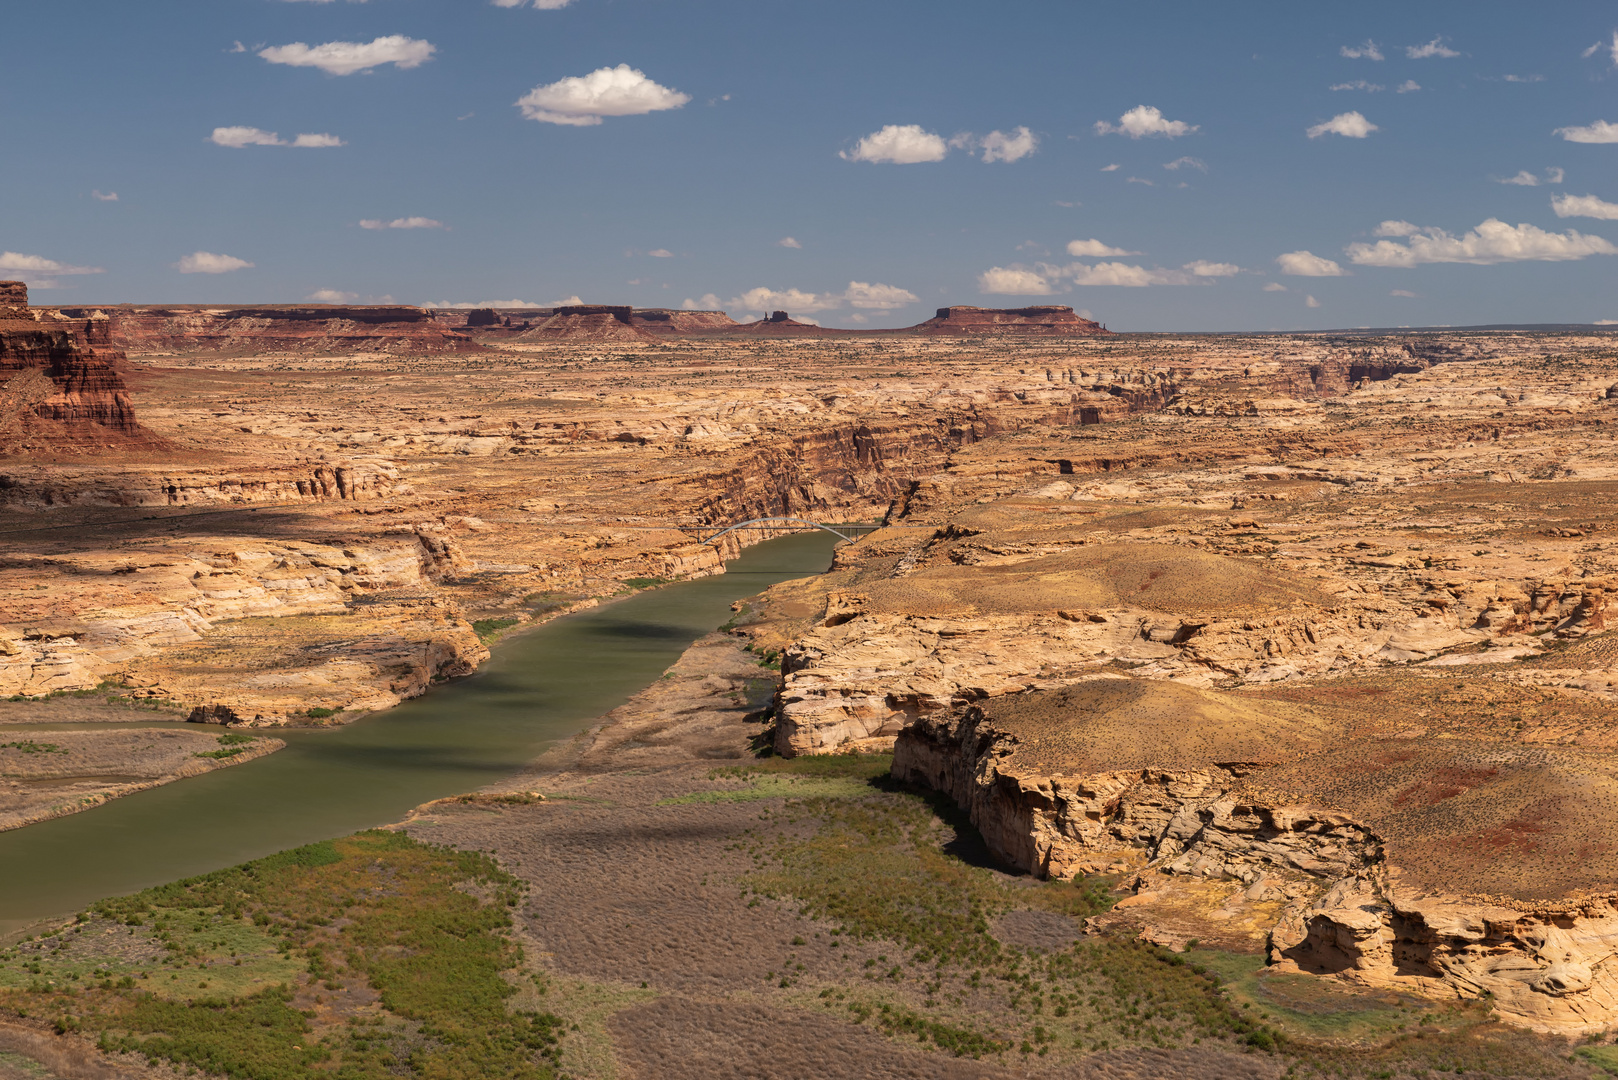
(60, 385)
(1052, 320)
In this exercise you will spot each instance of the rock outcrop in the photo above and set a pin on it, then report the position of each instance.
(587, 323)
(682, 323)
(310, 329)
(1051, 320)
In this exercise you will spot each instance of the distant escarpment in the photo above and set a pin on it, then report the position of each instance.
(1050, 320)
(588, 322)
(60, 389)
(306, 328)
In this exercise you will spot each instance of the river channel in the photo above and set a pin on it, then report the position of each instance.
(540, 686)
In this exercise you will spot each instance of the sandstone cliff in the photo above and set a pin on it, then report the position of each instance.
(1047, 320)
(310, 329)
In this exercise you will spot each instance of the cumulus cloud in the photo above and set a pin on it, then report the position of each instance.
(1203, 268)
(999, 146)
(1145, 120)
(898, 144)
(1308, 264)
(1274, 286)
(1368, 51)
(1599, 132)
(582, 100)
(1491, 242)
(1012, 281)
(1350, 125)
(874, 297)
(401, 223)
(1409, 86)
(787, 242)
(1358, 84)
(1309, 301)
(239, 137)
(1095, 249)
(349, 57)
(104, 196)
(206, 262)
(1524, 178)
(1435, 47)
(39, 271)
(661, 253)
(1121, 274)
(1584, 206)
(709, 302)
(332, 296)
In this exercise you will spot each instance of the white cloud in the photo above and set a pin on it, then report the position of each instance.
(1553, 176)
(1396, 228)
(582, 100)
(206, 262)
(1111, 168)
(1368, 51)
(1309, 301)
(1350, 125)
(1186, 163)
(238, 137)
(1599, 132)
(1584, 206)
(709, 302)
(542, 5)
(1358, 84)
(999, 146)
(1012, 281)
(661, 253)
(1203, 268)
(1435, 47)
(1524, 178)
(1274, 286)
(332, 296)
(348, 57)
(401, 223)
(763, 299)
(1144, 120)
(1409, 86)
(1522, 78)
(501, 303)
(1491, 242)
(871, 297)
(1122, 274)
(898, 144)
(1308, 264)
(1605, 322)
(104, 196)
(787, 242)
(37, 270)
(1138, 180)
(1406, 293)
(1095, 249)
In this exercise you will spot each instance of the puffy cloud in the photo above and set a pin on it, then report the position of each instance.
(709, 302)
(1121, 274)
(1599, 132)
(206, 262)
(763, 299)
(582, 100)
(1308, 264)
(1368, 51)
(1144, 120)
(1350, 125)
(1524, 178)
(1358, 84)
(238, 137)
(999, 146)
(104, 196)
(898, 144)
(1435, 47)
(1309, 301)
(1491, 242)
(348, 57)
(1012, 281)
(401, 223)
(871, 297)
(1584, 206)
(661, 253)
(1095, 249)
(1203, 268)
(332, 296)
(39, 271)
(1409, 86)
(787, 242)
(1274, 286)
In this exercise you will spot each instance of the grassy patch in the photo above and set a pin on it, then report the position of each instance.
(29, 746)
(230, 744)
(489, 629)
(387, 956)
(646, 582)
(1604, 1058)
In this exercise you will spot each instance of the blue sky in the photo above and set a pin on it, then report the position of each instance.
(694, 138)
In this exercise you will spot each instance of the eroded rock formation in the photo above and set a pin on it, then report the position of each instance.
(304, 329)
(1045, 320)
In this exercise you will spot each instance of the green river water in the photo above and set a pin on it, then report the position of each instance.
(540, 686)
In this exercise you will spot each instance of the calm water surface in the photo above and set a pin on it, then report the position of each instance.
(539, 687)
